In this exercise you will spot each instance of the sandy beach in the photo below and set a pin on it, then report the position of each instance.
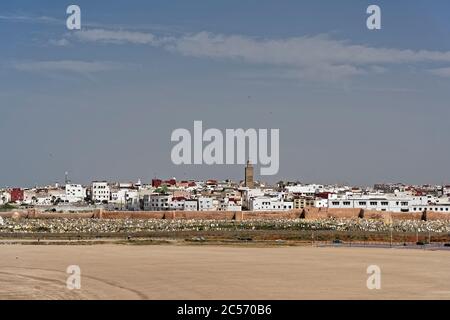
(113, 271)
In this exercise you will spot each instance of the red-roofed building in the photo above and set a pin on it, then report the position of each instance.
(171, 182)
(156, 183)
(323, 195)
(16, 195)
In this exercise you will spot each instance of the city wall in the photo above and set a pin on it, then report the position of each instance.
(308, 214)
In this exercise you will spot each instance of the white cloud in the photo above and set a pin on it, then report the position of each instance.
(63, 42)
(117, 37)
(318, 57)
(82, 67)
(325, 72)
(299, 51)
(31, 19)
(308, 54)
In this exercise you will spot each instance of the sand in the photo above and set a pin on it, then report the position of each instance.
(113, 271)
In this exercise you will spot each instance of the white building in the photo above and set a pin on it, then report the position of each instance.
(434, 204)
(133, 204)
(247, 194)
(147, 202)
(391, 202)
(128, 199)
(118, 196)
(42, 201)
(43, 197)
(132, 199)
(445, 208)
(29, 196)
(100, 192)
(308, 190)
(38, 198)
(177, 204)
(321, 203)
(205, 204)
(157, 202)
(74, 193)
(269, 204)
(225, 204)
(190, 205)
(5, 197)
(446, 191)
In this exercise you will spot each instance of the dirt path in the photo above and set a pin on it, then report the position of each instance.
(215, 272)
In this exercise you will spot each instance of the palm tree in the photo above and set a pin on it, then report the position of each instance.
(163, 189)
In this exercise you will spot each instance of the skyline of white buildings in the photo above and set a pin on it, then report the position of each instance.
(211, 195)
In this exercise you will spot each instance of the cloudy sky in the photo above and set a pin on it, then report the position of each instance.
(352, 105)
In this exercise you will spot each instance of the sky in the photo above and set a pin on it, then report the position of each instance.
(352, 105)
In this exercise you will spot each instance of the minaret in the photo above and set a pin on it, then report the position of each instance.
(249, 175)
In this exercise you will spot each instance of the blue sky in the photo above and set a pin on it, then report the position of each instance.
(352, 105)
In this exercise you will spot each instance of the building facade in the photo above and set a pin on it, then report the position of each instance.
(100, 192)
(75, 193)
(270, 204)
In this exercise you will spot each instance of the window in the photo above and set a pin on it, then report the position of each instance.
(384, 203)
(335, 203)
(362, 203)
(346, 203)
(373, 203)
